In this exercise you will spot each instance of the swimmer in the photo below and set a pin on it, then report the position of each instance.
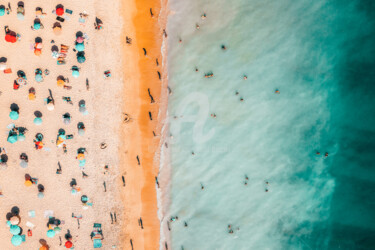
(202, 187)
(318, 153)
(196, 69)
(277, 91)
(204, 15)
(237, 92)
(213, 115)
(186, 224)
(245, 77)
(197, 26)
(180, 40)
(223, 47)
(241, 99)
(326, 154)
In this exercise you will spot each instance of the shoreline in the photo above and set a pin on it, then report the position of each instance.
(138, 133)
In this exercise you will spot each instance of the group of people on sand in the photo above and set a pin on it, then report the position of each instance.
(17, 133)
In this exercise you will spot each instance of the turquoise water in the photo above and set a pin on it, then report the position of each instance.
(319, 55)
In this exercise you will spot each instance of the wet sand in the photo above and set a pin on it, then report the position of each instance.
(140, 199)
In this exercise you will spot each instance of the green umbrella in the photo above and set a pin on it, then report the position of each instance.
(13, 115)
(37, 121)
(16, 240)
(81, 59)
(12, 139)
(21, 137)
(14, 229)
(50, 233)
(57, 229)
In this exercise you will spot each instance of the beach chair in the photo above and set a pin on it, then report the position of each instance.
(97, 235)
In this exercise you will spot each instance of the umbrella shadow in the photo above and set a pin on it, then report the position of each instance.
(3, 59)
(38, 114)
(54, 48)
(14, 107)
(15, 210)
(59, 6)
(38, 40)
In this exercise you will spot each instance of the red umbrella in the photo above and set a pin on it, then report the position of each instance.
(60, 11)
(11, 39)
(68, 244)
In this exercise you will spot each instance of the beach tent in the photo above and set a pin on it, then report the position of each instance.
(16, 240)
(10, 38)
(15, 230)
(37, 121)
(13, 115)
(80, 46)
(12, 138)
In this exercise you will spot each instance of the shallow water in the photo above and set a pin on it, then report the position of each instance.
(319, 56)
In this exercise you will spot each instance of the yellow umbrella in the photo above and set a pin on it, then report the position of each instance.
(81, 156)
(60, 83)
(57, 30)
(28, 183)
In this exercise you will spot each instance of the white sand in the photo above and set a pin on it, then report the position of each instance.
(103, 102)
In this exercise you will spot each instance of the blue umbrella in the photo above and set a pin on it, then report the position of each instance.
(13, 115)
(51, 233)
(2, 12)
(12, 139)
(38, 78)
(75, 73)
(37, 121)
(80, 46)
(16, 240)
(82, 163)
(14, 229)
(40, 196)
(36, 26)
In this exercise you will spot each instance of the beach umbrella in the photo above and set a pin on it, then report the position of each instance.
(23, 164)
(60, 83)
(74, 191)
(2, 11)
(81, 59)
(11, 39)
(75, 73)
(43, 248)
(81, 132)
(57, 30)
(50, 233)
(21, 137)
(16, 240)
(38, 77)
(81, 156)
(40, 196)
(50, 106)
(68, 244)
(12, 139)
(79, 39)
(14, 220)
(13, 115)
(38, 121)
(57, 229)
(21, 80)
(80, 46)
(60, 11)
(36, 26)
(82, 163)
(28, 183)
(20, 16)
(14, 229)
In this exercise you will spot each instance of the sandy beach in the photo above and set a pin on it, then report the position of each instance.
(107, 100)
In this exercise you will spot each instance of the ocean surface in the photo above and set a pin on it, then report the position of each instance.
(310, 88)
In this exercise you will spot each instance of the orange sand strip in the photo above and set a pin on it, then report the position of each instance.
(140, 193)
